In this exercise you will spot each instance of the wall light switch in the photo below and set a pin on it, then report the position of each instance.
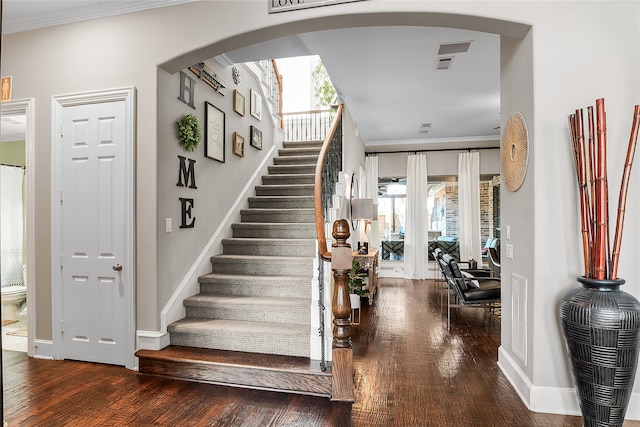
(168, 225)
(509, 251)
(508, 232)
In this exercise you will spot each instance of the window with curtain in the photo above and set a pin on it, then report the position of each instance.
(392, 204)
(442, 205)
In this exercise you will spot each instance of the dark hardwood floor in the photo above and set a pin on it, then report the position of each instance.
(409, 371)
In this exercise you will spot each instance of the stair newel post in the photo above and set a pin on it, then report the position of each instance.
(341, 303)
(342, 352)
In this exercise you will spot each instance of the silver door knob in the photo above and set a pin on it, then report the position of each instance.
(117, 267)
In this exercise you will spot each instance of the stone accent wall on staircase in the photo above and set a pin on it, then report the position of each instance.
(257, 297)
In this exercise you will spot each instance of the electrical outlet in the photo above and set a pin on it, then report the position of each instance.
(168, 225)
(509, 251)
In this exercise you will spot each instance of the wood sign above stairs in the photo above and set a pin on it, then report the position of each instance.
(250, 324)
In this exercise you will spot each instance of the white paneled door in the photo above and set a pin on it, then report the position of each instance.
(95, 281)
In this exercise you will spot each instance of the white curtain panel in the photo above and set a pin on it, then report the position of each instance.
(469, 206)
(416, 265)
(371, 192)
(12, 225)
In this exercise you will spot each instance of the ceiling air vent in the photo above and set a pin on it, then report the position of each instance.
(424, 128)
(451, 48)
(444, 63)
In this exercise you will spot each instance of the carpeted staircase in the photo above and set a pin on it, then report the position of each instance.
(257, 297)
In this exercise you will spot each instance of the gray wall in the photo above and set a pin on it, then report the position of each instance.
(13, 153)
(517, 207)
(219, 184)
(438, 163)
(353, 159)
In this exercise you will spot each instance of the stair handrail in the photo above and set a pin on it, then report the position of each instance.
(309, 125)
(325, 254)
(279, 81)
(340, 258)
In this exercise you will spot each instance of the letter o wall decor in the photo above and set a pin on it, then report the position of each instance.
(515, 152)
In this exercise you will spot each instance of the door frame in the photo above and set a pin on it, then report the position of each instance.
(26, 107)
(59, 103)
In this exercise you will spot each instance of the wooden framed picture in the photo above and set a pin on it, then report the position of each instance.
(238, 102)
(214, 128)
(256, 138)
(256, 104)
(238, 144)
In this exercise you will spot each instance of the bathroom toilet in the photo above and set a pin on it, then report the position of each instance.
(13, 299)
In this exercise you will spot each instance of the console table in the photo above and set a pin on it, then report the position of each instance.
(369, 262)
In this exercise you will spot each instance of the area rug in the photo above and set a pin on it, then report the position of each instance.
(18, 332)
(8, 322)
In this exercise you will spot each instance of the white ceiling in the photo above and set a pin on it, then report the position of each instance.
(22, 15)
(388, 78)
(386, 75)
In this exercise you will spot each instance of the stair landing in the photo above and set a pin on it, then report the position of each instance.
(269, 372)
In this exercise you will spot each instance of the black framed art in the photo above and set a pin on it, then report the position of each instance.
(256, 137)
(238, 102)
(214, 122)
(238, 144)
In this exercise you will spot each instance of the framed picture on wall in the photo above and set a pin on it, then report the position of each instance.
(256, 138)
(238, 144)
(256, 105)
(214, 128)
(238, 102)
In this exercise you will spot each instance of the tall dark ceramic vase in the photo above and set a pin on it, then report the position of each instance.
(601, 326)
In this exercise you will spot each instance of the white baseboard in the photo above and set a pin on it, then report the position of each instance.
(151, 340)
(555, 400)
(518, 379)
(391, 269)
(42, 349)
(552, 400)
(633, 410)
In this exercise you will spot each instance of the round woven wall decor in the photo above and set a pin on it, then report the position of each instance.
(515, 152)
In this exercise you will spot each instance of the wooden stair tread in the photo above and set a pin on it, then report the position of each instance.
(300, 177)
(269, 258)
(277, 210)
(264, 240)
(274, 224)
(275, 197)
(308, 162)
(239, 326)
(289, 176)
(202, 299)
(246, 277)
(288, 374)
(237, 358)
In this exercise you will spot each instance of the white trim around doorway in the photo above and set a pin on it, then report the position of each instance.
(26, 107)
(128, 96)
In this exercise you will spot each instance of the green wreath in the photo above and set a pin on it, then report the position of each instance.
(189, 132)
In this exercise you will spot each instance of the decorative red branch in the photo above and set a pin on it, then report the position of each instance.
(624, 187)
(584, 191)
(592, 179)
(577, 137)
(600, 270)
(600, 260)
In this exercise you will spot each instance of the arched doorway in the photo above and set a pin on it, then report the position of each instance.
(516, 71)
